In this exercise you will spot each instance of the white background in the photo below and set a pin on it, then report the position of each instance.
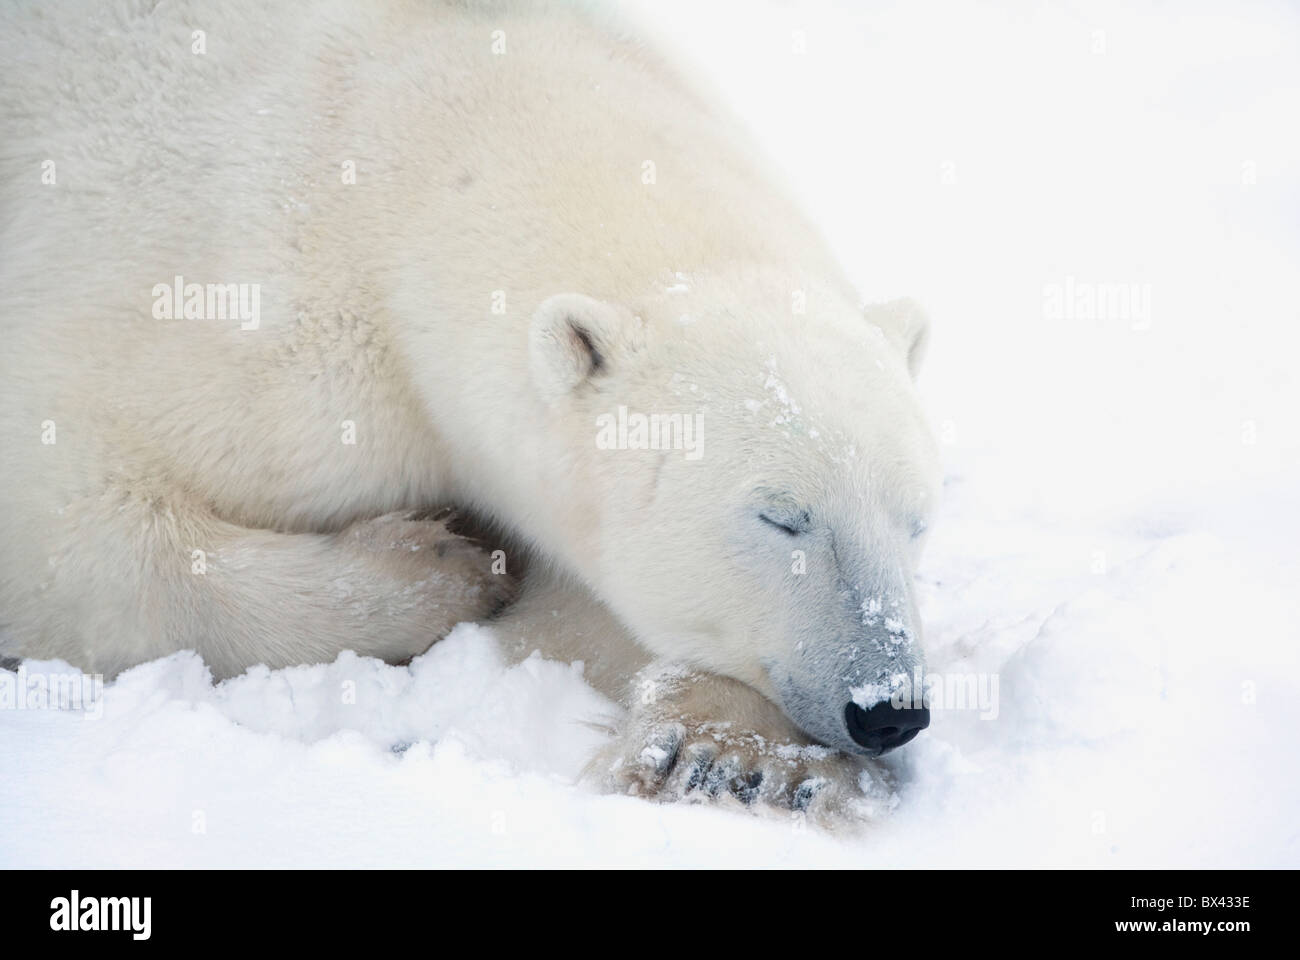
(1117, 541)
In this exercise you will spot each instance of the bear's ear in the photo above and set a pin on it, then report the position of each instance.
(905, 325)
(576, 339)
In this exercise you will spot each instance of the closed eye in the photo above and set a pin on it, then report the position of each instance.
(791, 526)
(918, 527)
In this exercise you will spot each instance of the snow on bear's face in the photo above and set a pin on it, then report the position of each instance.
(759, 484)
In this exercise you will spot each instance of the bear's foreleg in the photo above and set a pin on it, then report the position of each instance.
(128, 577)
(386, 587)
(686, 734)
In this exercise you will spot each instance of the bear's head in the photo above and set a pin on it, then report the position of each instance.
(756, 478)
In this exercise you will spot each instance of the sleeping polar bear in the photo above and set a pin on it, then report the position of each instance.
(280, 282)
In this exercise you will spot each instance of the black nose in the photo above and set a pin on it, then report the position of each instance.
(884, 726)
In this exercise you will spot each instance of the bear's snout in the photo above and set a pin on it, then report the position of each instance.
(884, 726)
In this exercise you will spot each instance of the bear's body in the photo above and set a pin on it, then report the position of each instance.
(409, 187)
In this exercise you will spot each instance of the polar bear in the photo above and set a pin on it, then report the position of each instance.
(282, 283)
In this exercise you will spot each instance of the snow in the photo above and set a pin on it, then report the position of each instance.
(1113, 565)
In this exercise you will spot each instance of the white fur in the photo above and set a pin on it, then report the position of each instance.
(478, 175)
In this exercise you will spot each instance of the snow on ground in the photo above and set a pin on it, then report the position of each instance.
(1116, 546)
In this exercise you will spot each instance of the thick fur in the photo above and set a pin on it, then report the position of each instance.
(506, 268)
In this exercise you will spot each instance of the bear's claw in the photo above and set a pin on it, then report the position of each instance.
(665, 753)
